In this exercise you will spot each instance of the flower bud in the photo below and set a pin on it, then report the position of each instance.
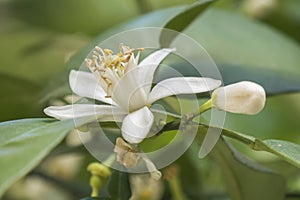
(98, 169)
(243, 97)
(100, 174)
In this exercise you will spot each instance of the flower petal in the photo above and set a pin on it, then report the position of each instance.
(128, 93)
(149, 65)
(182, 85)
(137, 125)
(85, 84)
(132, 63)
(99, 112)
(155, 174)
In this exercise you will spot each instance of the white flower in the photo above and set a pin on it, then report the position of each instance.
(118, 80)
(243, 97)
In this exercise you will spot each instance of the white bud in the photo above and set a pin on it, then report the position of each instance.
(243, 97)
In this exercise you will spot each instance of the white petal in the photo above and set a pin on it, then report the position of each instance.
(132, 63)
(150, 64)
(128, 93)
(85, 84)
(98, 112)
(155, 174)
(137, 125)
(182, 85)
(243, 97)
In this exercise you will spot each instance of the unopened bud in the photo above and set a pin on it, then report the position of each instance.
(243, 97)
(98, 169)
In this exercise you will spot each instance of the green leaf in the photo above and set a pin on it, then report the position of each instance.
(119, 186)
(88, 17)
(24, 143)
(154, 19)
(285, 17)
(245, 179)
(18, 98)
(288, 151)
(182, 20)
(242, 48)
(281, 113)
(38, 55)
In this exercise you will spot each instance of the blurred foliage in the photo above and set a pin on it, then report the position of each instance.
(84, 16)
(285, 17)
(74, 16)
(246, 179)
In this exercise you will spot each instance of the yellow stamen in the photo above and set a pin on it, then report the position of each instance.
(102, 59)
(108, 51)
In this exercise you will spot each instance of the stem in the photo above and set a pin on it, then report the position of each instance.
(95, 191)
(172, 176)
(206, 106)
(165, 112)
(203, 108)
(248, 140)
(175, 187)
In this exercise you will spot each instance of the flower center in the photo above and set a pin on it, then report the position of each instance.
(112, 67)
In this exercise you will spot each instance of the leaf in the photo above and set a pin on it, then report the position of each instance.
(192, 173)
(245, 179)
(288, 151)
(285, 17)
(282, 117)
(24, 143)
(155, 19)
(243, 49)
(88, 17)
(118, 186)
(38, 55)
(18, 97)
(182, 20)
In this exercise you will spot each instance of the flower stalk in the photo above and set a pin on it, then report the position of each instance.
(205, 107)
(99, 175)
(171, 174)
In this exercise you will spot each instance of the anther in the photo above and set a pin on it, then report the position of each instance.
(108, 51)
(96, 53)
(95, 57)
(88, 62)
